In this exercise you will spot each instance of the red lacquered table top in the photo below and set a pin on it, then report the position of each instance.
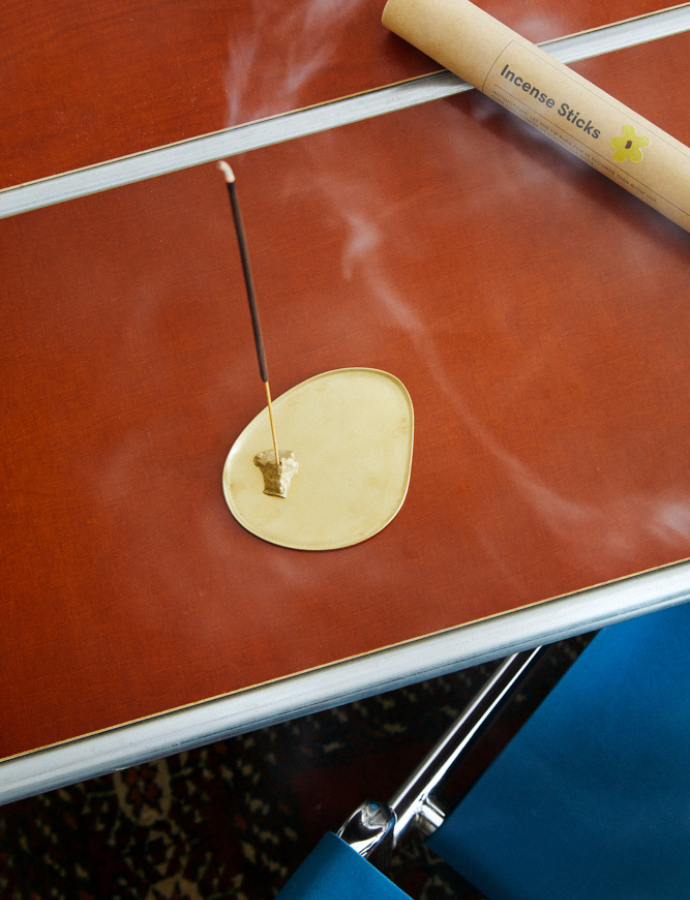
(537, 314)
(85, 82)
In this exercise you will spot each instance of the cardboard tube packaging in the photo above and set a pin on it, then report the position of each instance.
(609, 136)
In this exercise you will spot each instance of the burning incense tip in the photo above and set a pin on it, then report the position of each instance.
(227, 171)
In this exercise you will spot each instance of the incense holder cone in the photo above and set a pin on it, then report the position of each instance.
(277, 476)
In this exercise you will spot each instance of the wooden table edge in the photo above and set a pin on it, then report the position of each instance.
(345, 681)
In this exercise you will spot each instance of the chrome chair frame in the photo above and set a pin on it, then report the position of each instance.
(374, 829)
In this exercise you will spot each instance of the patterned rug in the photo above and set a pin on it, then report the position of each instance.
(235, 819)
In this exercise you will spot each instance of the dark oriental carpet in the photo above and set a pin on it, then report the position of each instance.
(235, 819)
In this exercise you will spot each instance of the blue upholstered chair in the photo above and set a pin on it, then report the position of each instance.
(590, 800)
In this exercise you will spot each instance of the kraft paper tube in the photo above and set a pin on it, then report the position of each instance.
(594, 126)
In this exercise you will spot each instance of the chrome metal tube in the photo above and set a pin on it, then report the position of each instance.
(413, 801)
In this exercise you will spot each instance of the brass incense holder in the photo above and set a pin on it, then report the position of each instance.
(354, 432)
(277, 475)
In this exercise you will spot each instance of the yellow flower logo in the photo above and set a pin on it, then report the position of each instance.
(629, 145)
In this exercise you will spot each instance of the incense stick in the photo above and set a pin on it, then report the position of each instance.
(251, 297)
